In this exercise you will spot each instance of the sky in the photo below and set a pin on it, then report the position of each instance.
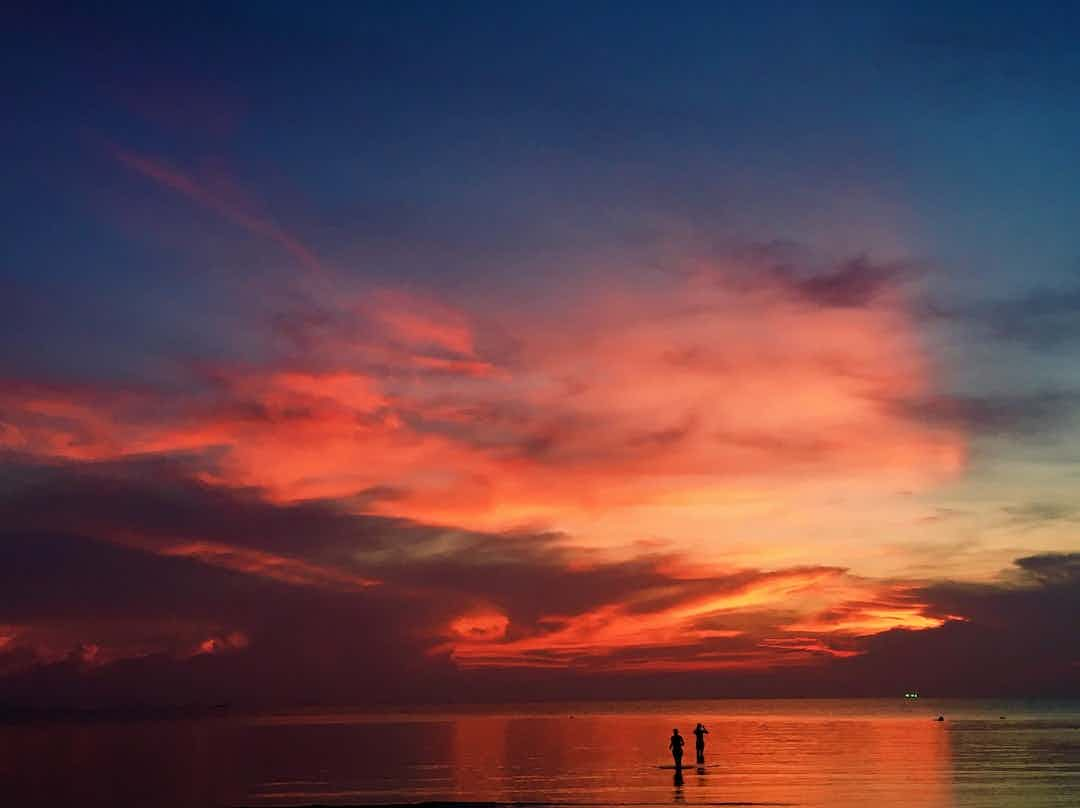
(409, 351)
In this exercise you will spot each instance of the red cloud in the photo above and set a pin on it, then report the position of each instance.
(768, 620)
(671, 397)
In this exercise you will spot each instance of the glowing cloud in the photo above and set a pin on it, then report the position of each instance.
(682, 626)
(681, 396)
(708, 413)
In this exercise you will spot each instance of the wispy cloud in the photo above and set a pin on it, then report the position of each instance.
(205, 195)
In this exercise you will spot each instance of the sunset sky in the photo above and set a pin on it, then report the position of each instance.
(397, 352)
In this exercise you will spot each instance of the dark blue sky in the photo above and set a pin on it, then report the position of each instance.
(757, 122)
(456, 146)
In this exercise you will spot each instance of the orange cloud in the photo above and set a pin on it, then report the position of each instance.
(485, 626)
(233, 641)
(748, 625)
(674, 397)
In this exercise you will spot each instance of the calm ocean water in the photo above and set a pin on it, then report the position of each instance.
(798, 752)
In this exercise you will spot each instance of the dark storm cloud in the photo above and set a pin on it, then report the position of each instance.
(97, 620)
(49, 576)
(156, 499)
(94, 597)
(153, 504)
(65, 593)
(300, 645)
(87, 618)
(1019, 637)
(1054, 570)
(87, 560)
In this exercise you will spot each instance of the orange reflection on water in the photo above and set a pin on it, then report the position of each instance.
(612, 759)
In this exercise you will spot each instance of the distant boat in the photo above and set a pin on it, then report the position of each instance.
(911, 695)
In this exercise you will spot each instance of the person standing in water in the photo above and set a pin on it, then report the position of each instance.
(676, 745)
(700, 732)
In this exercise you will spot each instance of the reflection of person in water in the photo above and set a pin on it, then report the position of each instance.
(676, 745)
(678, 783)
(700, 732)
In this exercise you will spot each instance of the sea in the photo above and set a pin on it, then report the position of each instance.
(821, 752)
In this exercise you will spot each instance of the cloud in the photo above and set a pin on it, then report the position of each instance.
(91, 616)
(1054, 570)
(481, 598)
(1035, 514)
(397, 491)
(721, 621)
(461, 490)
(1018, 638)
(856, 283)
(226, 205)
(1043, 319)
(1026, 413)
(88, 617)
(637, 393)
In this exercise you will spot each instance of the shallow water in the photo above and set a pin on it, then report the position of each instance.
(812, 752)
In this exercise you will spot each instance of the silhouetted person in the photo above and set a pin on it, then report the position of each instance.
(675, 745)
(699, 733)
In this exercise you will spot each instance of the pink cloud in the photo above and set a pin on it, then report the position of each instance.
(668, 396)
